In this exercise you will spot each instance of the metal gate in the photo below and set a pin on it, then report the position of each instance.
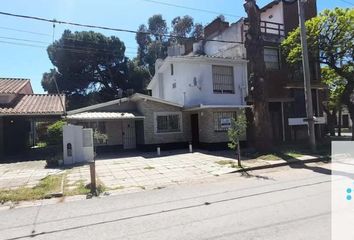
(129, 139)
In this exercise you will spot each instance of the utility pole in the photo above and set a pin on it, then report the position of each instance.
(306, 69)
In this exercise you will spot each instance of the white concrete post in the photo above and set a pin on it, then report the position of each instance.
(158, 151)
(190, 148)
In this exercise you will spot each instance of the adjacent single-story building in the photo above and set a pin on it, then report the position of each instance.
(20, 109)
(145, 122)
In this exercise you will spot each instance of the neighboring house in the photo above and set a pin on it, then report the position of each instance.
(284, 85)
(20, 109)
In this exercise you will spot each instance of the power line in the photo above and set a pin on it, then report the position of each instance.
(37, 33)
(350, 3)
(25, 31)
(190, 8)
(65, 48)
(64, 45)
(104, 28)
(23, 40)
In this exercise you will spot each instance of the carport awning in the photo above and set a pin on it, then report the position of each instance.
(104, 116)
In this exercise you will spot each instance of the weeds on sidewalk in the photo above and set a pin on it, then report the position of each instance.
(43, 189)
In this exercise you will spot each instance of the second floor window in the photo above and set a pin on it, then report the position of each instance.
(271, 58)
(223, 79)
(172, 72)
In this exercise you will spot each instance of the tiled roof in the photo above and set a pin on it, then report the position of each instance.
(34, 104)
(103, 116)
(12, 85)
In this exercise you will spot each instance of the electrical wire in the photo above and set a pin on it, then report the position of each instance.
(104, 28)
(69, 48)
(347, 2)
(190, 8)
(24, 31)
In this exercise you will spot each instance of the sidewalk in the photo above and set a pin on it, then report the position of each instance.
(134, 173)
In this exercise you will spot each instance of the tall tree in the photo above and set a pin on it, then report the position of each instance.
(198, 31)
(333, 106)
(143, 40)
(182, 26)
(262, 133)
(331, 43)
(152, 48)
(90, 67)
(157, 26)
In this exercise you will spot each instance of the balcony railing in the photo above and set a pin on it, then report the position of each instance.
(270, 28)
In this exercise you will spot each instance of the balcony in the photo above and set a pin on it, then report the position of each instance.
(272, 31)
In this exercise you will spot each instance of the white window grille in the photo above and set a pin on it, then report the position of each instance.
(168, 122)
(223, 79)
(222, 120)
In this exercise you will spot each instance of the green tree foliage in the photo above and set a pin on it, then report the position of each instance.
(152, 48)
(55, 133)
(331, 43)
(236, 132)
(157, 26)
(182, 26)
(90, 68)
(336, 85)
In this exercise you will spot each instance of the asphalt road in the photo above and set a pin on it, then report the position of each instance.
(283, 203)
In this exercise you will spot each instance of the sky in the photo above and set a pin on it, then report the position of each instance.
(24, 61)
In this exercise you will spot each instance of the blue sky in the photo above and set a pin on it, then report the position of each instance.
(31, 62)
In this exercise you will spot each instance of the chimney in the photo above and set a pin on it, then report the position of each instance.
(215, 27)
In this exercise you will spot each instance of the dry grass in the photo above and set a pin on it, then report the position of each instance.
(43, 189)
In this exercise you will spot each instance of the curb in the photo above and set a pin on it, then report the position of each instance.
(319, 159)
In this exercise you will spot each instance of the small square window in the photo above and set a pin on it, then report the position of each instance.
(174, 85)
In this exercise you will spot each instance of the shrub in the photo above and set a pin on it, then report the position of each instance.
(55, 133)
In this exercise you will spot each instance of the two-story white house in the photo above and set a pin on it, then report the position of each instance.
(211, 89)
(193, 100)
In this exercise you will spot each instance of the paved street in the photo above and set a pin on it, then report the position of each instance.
(280, 203)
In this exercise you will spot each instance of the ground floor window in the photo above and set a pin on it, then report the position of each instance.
(168, 122)
(222, 120)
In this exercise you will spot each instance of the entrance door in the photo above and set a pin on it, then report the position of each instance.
(195, 129)
(128, 131)
(275, 117)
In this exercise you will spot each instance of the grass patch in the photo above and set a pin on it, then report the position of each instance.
(225, 162)
(269, 157)
(293, 154)
(149, 168)
(43, 189)
(232, 164)
(80, 188)
(41, 144)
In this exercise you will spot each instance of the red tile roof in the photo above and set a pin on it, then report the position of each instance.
(35, 104)
(12, 85)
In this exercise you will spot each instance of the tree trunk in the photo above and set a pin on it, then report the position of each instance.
(340, 121)
(258, 92)
(239, 155)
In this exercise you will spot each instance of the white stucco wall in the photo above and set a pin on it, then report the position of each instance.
(276, 12)
(189, 95)
(233, 34)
